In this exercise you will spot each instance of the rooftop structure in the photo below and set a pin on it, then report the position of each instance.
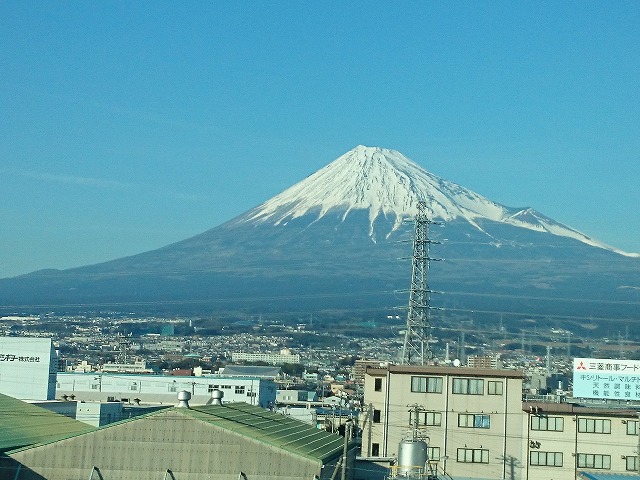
(215, 441)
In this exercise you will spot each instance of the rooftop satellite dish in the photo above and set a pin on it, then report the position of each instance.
(456, 362)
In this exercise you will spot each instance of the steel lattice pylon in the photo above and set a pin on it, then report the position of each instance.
(415, 349)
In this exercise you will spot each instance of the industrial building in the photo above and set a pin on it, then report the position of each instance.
(196, 443)
(162, 389)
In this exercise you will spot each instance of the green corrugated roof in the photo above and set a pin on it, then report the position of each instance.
(23, 424)
(271, 428)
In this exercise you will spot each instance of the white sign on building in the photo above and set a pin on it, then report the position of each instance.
(28, 368)
(606, 378)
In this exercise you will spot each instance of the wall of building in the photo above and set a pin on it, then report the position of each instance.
(162, 389)
(99, 414)
(564, 439)
(471, 417)
(532, 441)
(28, 368)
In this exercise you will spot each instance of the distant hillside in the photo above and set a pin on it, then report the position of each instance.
(334, 240)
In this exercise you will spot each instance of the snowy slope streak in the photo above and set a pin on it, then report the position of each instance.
(387, 183)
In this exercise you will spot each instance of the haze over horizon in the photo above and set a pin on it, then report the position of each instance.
(128, 127)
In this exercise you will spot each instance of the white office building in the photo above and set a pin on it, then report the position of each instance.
(28, 368)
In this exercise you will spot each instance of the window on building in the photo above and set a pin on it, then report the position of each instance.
(426, 418)
(210, 388)
(133, 386)
(632, 465)
(552, 424)
(545, 459)
(468, 386)
(494, 388)
(433, 453)
(594, 460)
(375, 449)
(239, 390)
(94, 386)
(473, 455)
(376, 416)
(172, 387)
(426, 384)
(632, 427)
(594, 425)
(226, 387)
(377, 384)
(474, 420)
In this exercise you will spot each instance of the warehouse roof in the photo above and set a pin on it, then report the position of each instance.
(23, 424)
(271, 428)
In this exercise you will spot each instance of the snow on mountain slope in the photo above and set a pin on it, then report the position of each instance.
(387, 183)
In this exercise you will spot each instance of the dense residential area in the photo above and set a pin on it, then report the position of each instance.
(493, 414)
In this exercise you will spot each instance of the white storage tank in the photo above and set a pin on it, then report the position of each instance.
(412, 458)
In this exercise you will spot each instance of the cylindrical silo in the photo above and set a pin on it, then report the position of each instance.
(412, 457)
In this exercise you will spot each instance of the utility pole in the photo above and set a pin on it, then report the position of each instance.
(347, 437)
(415, 349)
(370, 425)
(415, 421)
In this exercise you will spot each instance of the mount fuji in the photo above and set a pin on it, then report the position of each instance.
(387, 184)
(332, 242)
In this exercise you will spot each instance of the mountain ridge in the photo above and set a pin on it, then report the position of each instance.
(318, 252)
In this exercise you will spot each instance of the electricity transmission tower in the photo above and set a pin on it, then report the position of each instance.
(415, 349)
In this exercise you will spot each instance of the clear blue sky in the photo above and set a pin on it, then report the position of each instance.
(126, 126)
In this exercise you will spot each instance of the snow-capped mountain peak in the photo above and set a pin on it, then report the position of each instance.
(380, 180)
(386, 183)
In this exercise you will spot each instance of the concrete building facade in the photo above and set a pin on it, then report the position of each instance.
(28, 368)
(162, 389)
(477, 426)
(472, 418)
(565, 441)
